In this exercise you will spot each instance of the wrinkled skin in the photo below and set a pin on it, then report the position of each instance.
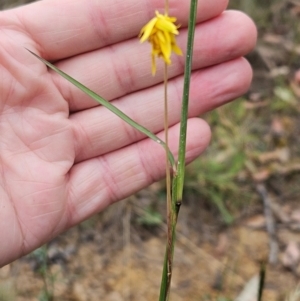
(63, 158)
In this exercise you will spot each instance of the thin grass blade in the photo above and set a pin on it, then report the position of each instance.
(109, 106)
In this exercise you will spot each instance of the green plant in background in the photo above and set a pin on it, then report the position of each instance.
(219, 175)
(219, 298)
(150, 218)
(284, 100)
(259, 10)
(7, 292)
(40, 255)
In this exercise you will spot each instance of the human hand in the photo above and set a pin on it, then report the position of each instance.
(63, 158)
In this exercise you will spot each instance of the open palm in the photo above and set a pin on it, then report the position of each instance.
(62, 157)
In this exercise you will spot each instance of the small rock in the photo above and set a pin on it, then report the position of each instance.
(295, 216)
(79, 292)
(291, 256)
(256, 222)
(114, 296)
(5, 271)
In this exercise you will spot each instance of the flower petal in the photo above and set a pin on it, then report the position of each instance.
(147, 29)
(164, 25)
(176, 49)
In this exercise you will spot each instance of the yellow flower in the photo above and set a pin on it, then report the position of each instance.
(160, 32)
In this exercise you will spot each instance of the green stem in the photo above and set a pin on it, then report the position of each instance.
(178, 179)
(169, 253)
(185, 100)
(168, 174)
(262, 278)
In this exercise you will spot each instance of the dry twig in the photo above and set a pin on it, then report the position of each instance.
(270, 223)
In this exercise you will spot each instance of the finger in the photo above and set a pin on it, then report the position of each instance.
(96, 183)
(116, 71)
(210, 88)
(82, 26)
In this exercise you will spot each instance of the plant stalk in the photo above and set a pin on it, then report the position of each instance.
(178, 178)
(168, 174)
(185, 99)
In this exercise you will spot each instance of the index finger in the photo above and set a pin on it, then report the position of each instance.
(64, 28)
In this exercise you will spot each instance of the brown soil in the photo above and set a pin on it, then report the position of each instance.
(95, 261)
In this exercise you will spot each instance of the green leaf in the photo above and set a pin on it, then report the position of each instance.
(108, 105)
(150, 218)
